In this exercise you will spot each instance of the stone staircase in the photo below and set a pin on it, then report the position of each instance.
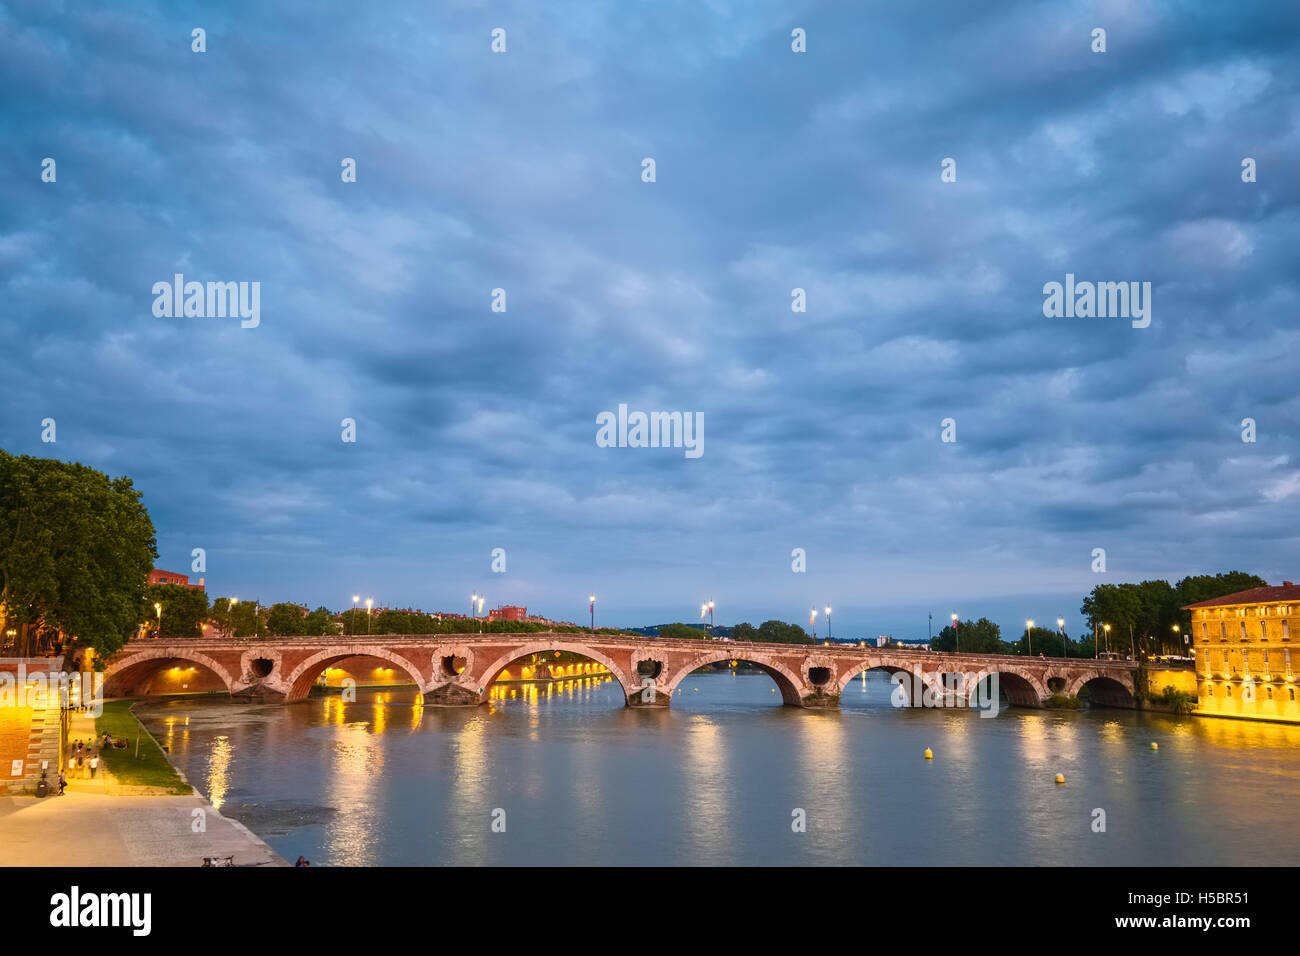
(44, 745)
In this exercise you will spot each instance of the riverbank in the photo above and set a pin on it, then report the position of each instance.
(136, 816)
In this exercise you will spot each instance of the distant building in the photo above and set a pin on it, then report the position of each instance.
(171, 577)
(1244, 653)
(508, 613)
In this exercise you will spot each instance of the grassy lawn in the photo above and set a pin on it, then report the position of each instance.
(151, 768)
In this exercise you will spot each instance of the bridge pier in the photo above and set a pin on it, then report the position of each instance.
(820, 700)
(453, 695)
(259, 693)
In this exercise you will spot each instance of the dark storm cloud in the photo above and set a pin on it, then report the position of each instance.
(775, 171)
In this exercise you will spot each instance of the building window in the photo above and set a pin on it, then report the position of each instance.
(1292, 690)
(1243, 630)
(1286, 632)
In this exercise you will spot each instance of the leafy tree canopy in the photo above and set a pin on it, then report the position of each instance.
(183, 610)
(76, 548)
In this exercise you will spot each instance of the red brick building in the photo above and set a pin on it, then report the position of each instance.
(508, 613)
(171, 577)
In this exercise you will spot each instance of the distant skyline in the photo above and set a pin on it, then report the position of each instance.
(775, 171)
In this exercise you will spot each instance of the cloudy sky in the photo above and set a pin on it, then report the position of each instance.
(775, 170)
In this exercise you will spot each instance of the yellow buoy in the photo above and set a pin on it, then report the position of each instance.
(1154, 745)
(1060, 778)
(929, 754)
(774, 690)
(697, 690)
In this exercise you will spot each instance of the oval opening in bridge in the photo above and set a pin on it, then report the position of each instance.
(262, 666)
(649, 668)
(451, 666)
(820, 676)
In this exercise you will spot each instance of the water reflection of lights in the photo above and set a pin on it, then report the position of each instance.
(219, 771)
(351, 782)
(533, 691)
(705, 781)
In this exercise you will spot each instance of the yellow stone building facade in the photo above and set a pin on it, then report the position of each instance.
(1247, 652)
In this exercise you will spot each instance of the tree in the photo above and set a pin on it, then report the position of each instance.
(972, 637)
(1142, 616)
(779, 632)
(285, 620)
(236, 616)
(183, 610)
(1042, 640)
(76, 548)
(680, 632)
(744, 632)
(319, 623)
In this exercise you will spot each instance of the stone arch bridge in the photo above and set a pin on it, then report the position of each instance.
(456, 669)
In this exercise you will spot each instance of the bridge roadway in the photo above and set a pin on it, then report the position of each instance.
(458, 669)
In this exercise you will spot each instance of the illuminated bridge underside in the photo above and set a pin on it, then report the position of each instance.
(460, 669)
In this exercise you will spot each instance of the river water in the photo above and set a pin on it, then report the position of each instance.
(726, 774)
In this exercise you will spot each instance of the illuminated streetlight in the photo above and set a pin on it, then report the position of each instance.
(158, 609)
(710, 618)
(812, 623)
(591, 600)
(480, 615)
(955, 636)
(1060, 627)
(1106, 628)
(370, 603)
(828, 623)
(473, 602)
(1029, 640)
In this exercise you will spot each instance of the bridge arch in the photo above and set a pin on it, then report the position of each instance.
(483, 684)
(1104, 690)
(299, 682)
(791, 685)
(120, 677)
(929, 679)
(1021, 685)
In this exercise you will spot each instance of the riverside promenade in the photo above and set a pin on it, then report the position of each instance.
(102, 822)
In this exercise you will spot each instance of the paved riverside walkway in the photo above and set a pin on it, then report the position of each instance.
(101, 822)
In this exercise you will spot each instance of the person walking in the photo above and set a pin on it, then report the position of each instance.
(63, 782)
(94, 765)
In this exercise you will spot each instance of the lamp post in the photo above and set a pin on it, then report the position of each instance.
(1029, 638)
(1106, 628)
(230, 615)
(370, 603)
(256, 604)
(1060, 629)
(480, 615)
(828, 623)
(591, 600)
(956, 637)
(473, 602)
(711, 632)
(812, 622)
(1176, 630)
(353, 619)
(158, 610)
